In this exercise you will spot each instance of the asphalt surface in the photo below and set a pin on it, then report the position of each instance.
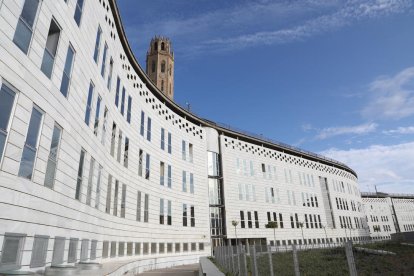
(184, 270)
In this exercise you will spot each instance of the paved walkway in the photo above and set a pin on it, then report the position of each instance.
(183, 270)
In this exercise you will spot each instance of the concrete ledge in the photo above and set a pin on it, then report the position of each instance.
(207, 268)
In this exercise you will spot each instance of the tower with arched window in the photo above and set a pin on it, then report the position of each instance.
(160, 65)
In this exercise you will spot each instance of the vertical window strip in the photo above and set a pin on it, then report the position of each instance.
(67, 71)
(7, 97)
(24, 30)
(98, 187)
(104, 60)
(97, 113)
(97, 44)
(53, 157)
(79, 181)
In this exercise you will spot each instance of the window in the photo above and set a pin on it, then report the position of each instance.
(190, 151)
(140, 161)
(129, 109)
(78, 11)
(118, 84)
(73, 250)
(153, 66)
(162, 138)
(52, 160)
(98, 109)
(104, 126)
(169, 142)
(126, 150)
(139, 206)
(24, 29)
(192, 216)
(94, 244)
(213, 164)
(89, 103)
(191, 183)
(162, 173)
(78, 191)
(39, 251)
(12, 251)
(146, 207)
(183, 151)
(119, 146)
(123, 101)
(123, 201)
(115, 213)
(50, 49)
(111, 69)
(169, 218)
(113, 139)
(184, 214)
(108, 195)
(142, 123)
(104, 60)
(129, 248)
(113, 249)
(242, 222)
(153, 248)
(97, 44)
(281, 220)
(6, 105)
(162, 85)
(98, 187)
(169, 176)
(184, 181)
(84, 250)
(90, 179)
(67, 71)
(161, 211)
(58, 250)
(256, 219)
(162, 46)
(147, 166)
(163, 66)
(149, 129)
(249, 219)
(31, 144)
(137, 248)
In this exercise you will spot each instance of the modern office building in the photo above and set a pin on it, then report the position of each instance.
(388, 214)
(97, 164)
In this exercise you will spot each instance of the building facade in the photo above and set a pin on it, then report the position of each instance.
(97, 164)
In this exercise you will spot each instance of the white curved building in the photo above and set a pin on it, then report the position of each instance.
(98, 165)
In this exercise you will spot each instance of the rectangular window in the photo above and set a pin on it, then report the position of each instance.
(123, 101)
(73, 250)
(123, 201)
(169, 142)
(281, 220)
(12, 251)
(256, 219)
(104, 60)
(89, 103)
(80, 176)
(184, 181)
(162, 173)
(137, 248)
(6, 105)
(58, 250)
(104, 126)
(39, 251)
(118, 85)
(49, 54)
(108, 195)
(162, 138)
(113, 249)
(90, 178)
(169, 212)
(147, 166)
(129, 109)
(97, 44)
(126, 152)
(183, 151)
(190, 151)
(98, 187)
(24, 29)
(67, 71)
(191, 183)
(169, 176)
(142, 128)
(115, 213)
(78, 11)
(161, 211)
(192, 216)
(98, 109)
(113, 137)
(111, 69)
(149, 129)
(242, 222)
(53, 157)
(118, 158)
(249, 219)
(140, 162)
(139, 200)
(146, 207)
(31, 144)
(184, 214)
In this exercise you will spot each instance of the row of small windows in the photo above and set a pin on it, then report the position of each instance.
(408, 227)
(14, 245)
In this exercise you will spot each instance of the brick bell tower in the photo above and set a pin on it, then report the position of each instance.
(160, 65)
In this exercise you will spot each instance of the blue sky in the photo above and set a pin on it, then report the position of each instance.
(332, 77)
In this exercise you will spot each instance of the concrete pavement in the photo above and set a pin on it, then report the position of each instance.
(183, 270)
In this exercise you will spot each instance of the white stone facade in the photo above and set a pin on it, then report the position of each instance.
(130, 181)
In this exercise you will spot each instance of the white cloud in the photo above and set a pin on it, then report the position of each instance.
(392, 97)
(335, 131)
(390, 168)
(400, 130)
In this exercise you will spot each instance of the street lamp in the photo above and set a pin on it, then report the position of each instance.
(235, 223)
